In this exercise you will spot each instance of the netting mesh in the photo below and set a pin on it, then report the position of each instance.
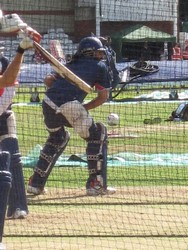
(147, 155)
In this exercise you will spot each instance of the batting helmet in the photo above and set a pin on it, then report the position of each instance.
(90, 44)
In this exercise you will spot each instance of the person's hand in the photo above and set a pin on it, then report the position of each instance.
(33, 34)
(28, 36)
(26, 43)
(11, 23)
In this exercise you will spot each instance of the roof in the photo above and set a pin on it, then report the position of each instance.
(142, 33)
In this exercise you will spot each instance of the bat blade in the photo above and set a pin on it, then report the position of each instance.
(62, 69)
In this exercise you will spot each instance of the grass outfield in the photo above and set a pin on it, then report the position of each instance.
(75, 177)
(166, 137)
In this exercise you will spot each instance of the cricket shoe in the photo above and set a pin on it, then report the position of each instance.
(102, 191)
(35, 190)
(96, 189)
(18, 214)
(2, 246)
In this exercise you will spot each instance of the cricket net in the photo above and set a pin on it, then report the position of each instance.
(147, 155)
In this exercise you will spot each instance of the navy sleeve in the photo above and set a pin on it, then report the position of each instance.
(102, 76)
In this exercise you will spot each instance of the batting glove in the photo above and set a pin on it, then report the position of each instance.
(26, 43)
(11, 23)
(28, 35)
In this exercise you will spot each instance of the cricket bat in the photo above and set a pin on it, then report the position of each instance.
(19, 26)
(62, 69)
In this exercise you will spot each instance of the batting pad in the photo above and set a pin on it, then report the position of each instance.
(5, 185)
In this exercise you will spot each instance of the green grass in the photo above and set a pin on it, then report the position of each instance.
(166, 137)
(32, 131)
(159, 190)
(75, 177)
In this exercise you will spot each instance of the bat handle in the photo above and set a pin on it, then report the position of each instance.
(31, 33)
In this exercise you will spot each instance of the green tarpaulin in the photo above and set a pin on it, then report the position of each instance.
(185, 27)
(122, 159)
(142, 33)
(139, 33)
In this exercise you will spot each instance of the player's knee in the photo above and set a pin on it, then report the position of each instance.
(57, 136)
(97, 131)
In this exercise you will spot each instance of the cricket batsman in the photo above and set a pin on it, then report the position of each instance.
(12, 189)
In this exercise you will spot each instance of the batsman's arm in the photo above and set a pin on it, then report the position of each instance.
(12, 23)
(49, 80)
(10, 75)
(102, 97)
(8, 24)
